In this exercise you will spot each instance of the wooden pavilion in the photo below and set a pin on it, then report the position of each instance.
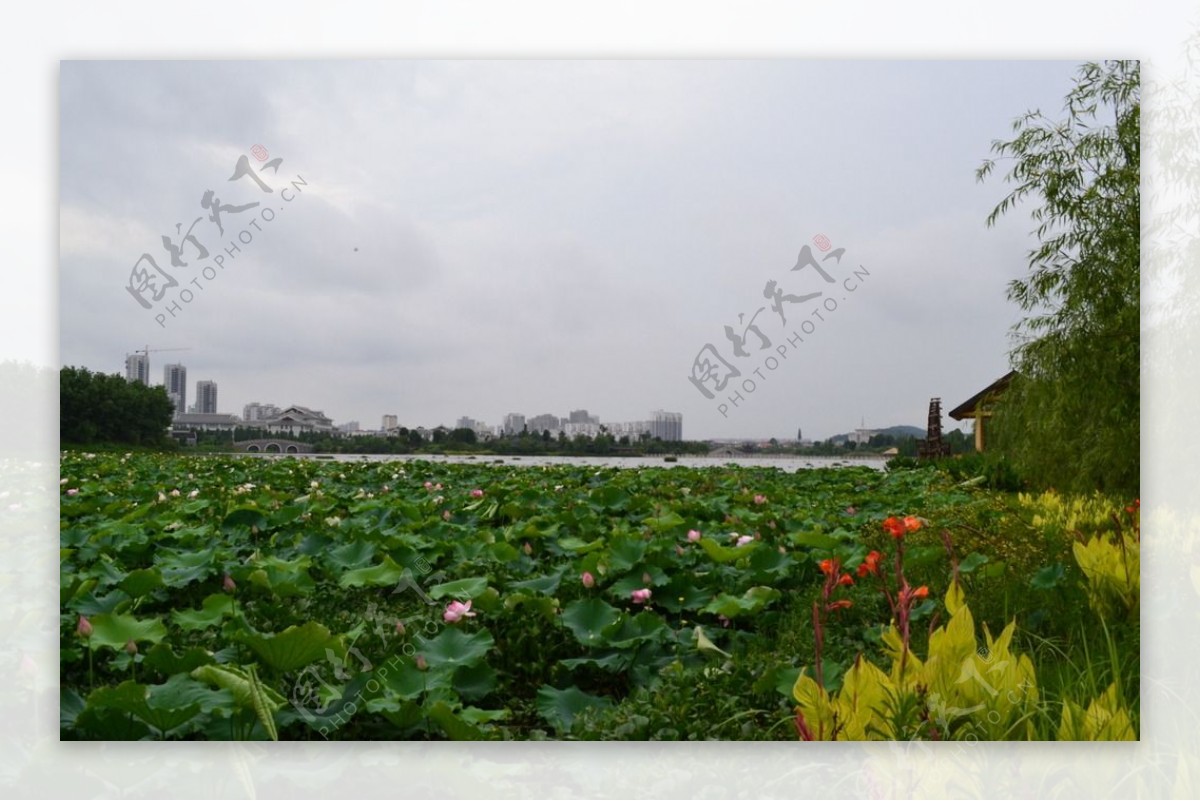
(979, 406)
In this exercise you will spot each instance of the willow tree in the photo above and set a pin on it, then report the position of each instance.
(1071, 420)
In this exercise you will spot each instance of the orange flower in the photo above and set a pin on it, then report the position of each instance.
(828, 567)
(870, 564)
(912, 523)
(845, 579)
(894, 527)
(920, 592)
(842, 604)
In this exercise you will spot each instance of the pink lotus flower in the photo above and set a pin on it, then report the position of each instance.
(84, 627)
(400, 627)
(456, 611)
(421, 663)
(742, 540)
(528, 549)
(476, 493)
(428, 485)
(131, 647)
(174, 493)
(693, 536)
(640, 596)
(588, 579)
(72, 491)
(760, 499)
(193, 493)
(229, 584)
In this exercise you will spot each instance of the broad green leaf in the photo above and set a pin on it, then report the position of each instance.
(181, 690)
(580, 546)
(133, 698)
(664, 522)
(453, 647)
(615, 661)
(455, 728)
(587, 619)
(722, 555)
(244, 518)
(213, 610)
(631, 631)
(1048, 577)
(142, 582)
(114, 630)
(751, 602)
(473, 682)
(474, 715)
(405, 680)
(351, 555)
(546, 585)
(162, 659)
(462, 589)
(971, 562)
(624, 554)
(504, 552)
(559, 707)
(384, 574)
(813, 539)
(294, 647)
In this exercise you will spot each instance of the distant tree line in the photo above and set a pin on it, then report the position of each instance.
(464, 440)
(99, 408)
(958, 441)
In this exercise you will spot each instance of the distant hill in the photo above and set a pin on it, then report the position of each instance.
(896, 431)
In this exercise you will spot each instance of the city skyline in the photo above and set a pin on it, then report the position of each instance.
(574, 421)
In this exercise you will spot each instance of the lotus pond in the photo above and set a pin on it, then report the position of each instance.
(220, 597)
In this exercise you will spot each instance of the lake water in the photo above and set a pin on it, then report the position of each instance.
(789, 464)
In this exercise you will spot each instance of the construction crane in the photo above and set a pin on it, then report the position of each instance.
(146, 351)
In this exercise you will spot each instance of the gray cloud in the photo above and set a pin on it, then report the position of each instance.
(483, 237)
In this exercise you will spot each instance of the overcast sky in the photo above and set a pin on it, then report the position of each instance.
(477, 238)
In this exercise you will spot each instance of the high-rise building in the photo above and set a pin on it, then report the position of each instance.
(465, 422)
(390, 421)
(579, 416)
(175, 382)
(256, 412)
(137, 368)
(206, 397)
(544, 422)
(667, 426)
(514, 423)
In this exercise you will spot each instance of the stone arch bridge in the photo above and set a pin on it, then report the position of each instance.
(272, 446)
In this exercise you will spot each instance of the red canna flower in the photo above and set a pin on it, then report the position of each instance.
(870, 564)
(828, 567)
(894, 527)
(842, 604)
(912, 523)
(920, 592)
(845, 579)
